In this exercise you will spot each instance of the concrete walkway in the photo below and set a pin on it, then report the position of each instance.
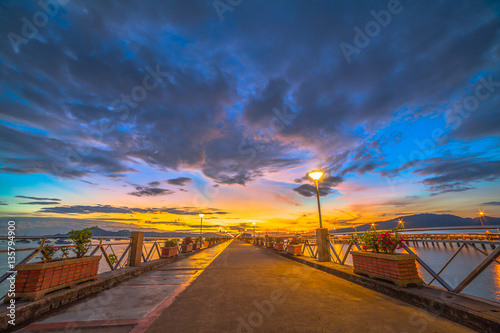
(133, 305)
(242, 289)
(247, 289)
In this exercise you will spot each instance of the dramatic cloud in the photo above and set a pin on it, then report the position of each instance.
(181, 181)
(35, 198)
(143, 191)
(492, 203)
(108, 209)
(39, 203)
(456, 175)
(325, 186)
(115, 91)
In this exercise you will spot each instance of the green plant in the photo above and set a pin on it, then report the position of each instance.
(380, 241)
(48, 252)
(199, 239)
(278, 240)
(82, 240)
(64, 252)
(112, 259)
(296, 241)
(208, 239)
(170, 243)
(187, 240)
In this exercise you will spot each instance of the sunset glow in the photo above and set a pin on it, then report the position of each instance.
(152, 115)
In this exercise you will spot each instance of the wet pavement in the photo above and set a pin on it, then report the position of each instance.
(242, 289)
(248, 290)
(132, 305)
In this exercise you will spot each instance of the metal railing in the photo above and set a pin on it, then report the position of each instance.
(485, 243)
(151, 250)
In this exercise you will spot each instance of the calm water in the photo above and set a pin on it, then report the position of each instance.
(486, 285)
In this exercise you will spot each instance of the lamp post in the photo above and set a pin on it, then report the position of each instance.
(321, 233)
(201, 229)
(481, 214)
(373, 226)
(316, 175)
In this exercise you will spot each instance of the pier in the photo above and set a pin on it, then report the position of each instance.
(238, 287)
(250, 285)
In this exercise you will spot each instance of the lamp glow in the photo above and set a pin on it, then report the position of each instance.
(316, 175)
(201, 215)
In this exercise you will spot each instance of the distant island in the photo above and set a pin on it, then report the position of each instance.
(410, 221)
(427, 221)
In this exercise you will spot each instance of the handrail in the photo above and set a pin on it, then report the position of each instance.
(463, 240)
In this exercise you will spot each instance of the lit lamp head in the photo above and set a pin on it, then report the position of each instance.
(201, 215)
(253, 223)
(316, 175)
(481, 213)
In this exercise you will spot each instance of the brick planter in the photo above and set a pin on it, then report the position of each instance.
(186, 248)
(279, 246)
(401, 269)
(196, 246)
(270, 245)
(34, 280)
(294, 250)
(168, 252)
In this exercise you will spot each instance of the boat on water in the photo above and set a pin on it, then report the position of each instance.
(23, 241)
(62, 241)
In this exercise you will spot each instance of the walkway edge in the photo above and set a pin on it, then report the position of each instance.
(31, 311)
(457, 308)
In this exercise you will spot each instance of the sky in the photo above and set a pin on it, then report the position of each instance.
(143, 114)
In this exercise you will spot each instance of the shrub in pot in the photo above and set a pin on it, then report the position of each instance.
(169, 249)
(278, 244)
(34, 280)
(187, 244)
(198, 242)
(294, 246)
(380, 260)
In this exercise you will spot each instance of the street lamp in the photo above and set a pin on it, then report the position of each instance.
(201, 229)
(253, 223)
(481, 215)
(373, 226)
(401, 223)
(316, 175)
(322, 239)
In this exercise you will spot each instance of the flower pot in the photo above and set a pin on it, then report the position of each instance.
(168, 252)
(279, 246)
(270, 245)
(294, 249)
(186, 248)
(398, 268)
(205, 244)
(34, 280)
(196, 246)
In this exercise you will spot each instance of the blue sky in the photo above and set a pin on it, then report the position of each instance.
(143, 114)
